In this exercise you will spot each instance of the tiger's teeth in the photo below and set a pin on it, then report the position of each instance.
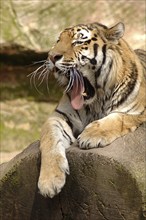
(84, 94)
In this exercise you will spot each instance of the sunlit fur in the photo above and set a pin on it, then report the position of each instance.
(110, 100)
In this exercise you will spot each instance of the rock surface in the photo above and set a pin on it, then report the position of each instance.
(105, 184)
(36, 25)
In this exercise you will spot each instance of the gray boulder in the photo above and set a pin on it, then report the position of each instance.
(104, 184)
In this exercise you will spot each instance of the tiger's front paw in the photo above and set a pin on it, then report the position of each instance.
(52, 177)
(94, 135)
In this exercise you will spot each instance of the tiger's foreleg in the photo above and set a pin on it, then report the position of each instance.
(56, 137)
(104, 131)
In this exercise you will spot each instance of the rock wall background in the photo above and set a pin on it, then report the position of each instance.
(37, 23)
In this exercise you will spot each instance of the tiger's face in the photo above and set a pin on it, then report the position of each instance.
(77, 57)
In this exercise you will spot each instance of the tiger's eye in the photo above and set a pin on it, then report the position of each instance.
(79, 35)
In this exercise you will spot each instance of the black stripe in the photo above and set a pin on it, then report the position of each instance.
(104, 54)
(66, 117)
(86, 29)
(87, 109)
(117, 88)
(106, 79)
(97, 73)
(84, 37)
(64, 132)
(132, 108)
(95, 47)
(68, 136)
(129, 87)
(94, 38)
(93, 60)
(87, 41)
(58, 142)
(103, 39)
(143, 111)
(78, 115)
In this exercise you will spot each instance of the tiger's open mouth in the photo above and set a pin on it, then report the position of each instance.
(80, 89)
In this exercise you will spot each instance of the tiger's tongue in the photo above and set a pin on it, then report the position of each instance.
(77, 99)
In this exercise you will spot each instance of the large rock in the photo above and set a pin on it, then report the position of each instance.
(37, 25)
(105, 184)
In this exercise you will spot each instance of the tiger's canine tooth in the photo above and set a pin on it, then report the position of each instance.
(84, 94)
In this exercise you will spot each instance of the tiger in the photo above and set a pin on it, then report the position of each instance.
(104, 96)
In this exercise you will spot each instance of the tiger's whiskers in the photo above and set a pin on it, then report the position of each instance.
(39, 75)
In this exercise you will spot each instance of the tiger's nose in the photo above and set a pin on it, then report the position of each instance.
(55, 58)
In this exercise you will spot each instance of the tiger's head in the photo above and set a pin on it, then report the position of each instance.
(78, 57)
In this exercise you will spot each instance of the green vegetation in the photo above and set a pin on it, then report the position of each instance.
(23, 108)
(10, 91)
(21, 122)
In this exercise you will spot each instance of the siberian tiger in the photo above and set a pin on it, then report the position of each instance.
(104, 96)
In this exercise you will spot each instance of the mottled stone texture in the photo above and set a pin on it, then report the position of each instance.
(104, 184)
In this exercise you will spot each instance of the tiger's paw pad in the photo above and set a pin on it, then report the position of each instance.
(88, 143)
(51, 181)
(51, 186)
(89, 139)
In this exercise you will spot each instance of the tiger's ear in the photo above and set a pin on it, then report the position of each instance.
(116, 32)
